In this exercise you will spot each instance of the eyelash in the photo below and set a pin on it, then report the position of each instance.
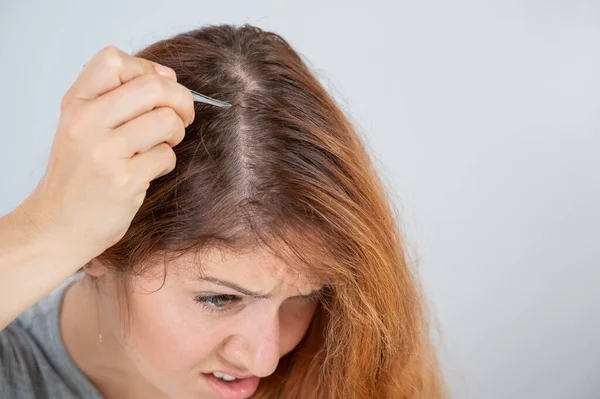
(204, 300)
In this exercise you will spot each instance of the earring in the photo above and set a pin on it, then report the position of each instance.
(99, 324)
(98, 321)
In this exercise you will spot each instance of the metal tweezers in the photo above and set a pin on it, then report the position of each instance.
(209, 100)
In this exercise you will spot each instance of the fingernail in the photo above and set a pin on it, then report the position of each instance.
(165, 71)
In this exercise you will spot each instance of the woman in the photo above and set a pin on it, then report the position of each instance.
(229, 253)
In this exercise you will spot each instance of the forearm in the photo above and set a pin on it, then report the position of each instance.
(32, 263)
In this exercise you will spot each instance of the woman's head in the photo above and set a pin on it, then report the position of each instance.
(271, 249)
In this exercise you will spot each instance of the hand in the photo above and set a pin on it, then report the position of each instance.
(118, 124)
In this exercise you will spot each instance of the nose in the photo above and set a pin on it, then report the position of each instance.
(256, 346)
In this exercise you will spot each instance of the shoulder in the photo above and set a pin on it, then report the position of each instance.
(41, 321)
(19, 354)
(28, 361)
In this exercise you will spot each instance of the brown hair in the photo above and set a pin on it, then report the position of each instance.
(284, 167)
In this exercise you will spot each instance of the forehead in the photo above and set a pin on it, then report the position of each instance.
(256, 268)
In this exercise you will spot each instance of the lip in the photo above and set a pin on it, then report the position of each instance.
(232, 373)
(241, 388)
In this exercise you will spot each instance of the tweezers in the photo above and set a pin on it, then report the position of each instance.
(201, 98)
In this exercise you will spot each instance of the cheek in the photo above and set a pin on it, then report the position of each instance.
(167, 334)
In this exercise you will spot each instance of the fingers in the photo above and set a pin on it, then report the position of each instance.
(141, 95)
(162, 124)
(106, 70)
(97, 175)
(157, 161)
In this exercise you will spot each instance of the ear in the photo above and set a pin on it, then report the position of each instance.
(94, 268)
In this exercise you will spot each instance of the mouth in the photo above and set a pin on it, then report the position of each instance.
(232, 387)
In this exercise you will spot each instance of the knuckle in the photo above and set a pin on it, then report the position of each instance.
(69, 102)
(170, 120)
(75, 120)
(109, 49)
(167, 154)
(112, 57)
(72, 131)
(166, 151)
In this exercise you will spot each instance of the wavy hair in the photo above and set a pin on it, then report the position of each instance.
(284, 167)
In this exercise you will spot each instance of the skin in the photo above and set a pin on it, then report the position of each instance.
(118, 124)
(178, 331)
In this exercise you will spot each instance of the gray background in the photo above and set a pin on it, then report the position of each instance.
(483, 118)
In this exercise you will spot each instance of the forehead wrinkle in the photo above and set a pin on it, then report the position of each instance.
(301, 284)
(271, 272)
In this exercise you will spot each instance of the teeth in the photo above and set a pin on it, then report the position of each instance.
(223, 376)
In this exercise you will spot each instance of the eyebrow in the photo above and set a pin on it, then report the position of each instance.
(235, 287)
(239, 289)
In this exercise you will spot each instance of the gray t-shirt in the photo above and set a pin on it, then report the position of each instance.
(34, 362)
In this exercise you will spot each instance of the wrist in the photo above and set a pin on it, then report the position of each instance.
(36, 226)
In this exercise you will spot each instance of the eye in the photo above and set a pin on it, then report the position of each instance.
(217, 303)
